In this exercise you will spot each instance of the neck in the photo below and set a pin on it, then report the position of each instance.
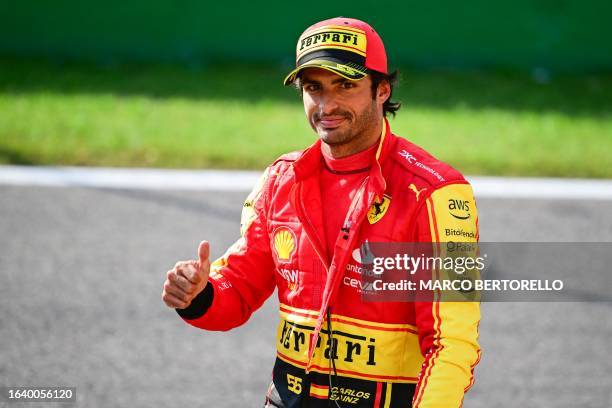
(359, 144)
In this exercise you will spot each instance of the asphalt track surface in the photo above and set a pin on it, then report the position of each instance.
(82, 270)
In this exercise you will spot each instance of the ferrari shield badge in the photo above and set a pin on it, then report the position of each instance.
(378, 209)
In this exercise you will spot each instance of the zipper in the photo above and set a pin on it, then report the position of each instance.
(316, 244)
(346, 227)
(310, 230)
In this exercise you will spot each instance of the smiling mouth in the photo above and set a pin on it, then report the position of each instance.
(331, 123)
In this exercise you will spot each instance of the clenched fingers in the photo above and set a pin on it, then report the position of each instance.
(190, 271)
(177, 291)
(185, 281)
(173, 301)
(181, 282)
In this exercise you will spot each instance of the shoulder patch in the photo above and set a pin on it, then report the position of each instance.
(454, 214)
(424, 165)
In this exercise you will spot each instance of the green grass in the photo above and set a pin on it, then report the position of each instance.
(242, 117)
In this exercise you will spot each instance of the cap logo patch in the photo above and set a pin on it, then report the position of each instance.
(347, 70)
(337, 37)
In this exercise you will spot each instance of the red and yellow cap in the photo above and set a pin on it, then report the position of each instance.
(344, 46)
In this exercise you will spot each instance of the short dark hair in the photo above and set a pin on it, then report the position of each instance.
(389, 106)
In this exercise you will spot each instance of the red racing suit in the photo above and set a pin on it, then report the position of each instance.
(383, 354)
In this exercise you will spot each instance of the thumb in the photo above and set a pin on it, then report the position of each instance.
(203, 253)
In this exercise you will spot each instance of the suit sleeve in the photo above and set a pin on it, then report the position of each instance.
(243, 278)
(448, 331)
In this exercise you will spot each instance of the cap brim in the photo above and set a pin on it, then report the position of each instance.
(344, 70)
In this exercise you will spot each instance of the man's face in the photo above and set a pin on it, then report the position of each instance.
(341, 111)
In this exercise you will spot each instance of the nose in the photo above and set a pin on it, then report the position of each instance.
(327, 103)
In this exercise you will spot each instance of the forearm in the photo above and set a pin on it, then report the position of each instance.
(221, 306)
(447, 372)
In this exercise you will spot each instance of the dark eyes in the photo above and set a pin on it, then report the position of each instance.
(311, 87)
(316, 87)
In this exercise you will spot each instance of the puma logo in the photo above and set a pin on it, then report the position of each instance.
(417, 192)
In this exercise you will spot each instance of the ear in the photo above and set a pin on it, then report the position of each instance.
(383, 92)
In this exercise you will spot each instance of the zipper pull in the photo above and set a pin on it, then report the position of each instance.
(346, 229)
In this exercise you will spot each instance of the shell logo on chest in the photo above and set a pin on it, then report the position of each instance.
(285, 243)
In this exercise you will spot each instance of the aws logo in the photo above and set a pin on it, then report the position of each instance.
(459, 209)
(284, 244)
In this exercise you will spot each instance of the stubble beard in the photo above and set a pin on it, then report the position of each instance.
(362, 123)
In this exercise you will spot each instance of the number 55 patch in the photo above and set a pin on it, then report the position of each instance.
(294, 384)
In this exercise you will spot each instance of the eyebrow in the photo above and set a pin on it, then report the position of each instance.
(335, 81)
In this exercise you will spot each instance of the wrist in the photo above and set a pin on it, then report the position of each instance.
(199, 305)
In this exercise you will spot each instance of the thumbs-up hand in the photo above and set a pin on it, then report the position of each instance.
(187, 279)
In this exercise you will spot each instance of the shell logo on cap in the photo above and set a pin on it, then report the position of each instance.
(284, 243)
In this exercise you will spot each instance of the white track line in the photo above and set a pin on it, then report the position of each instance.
(150, 179)
(232, 180)
(545, 188)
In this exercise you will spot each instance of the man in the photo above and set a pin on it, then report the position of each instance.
(300, 232)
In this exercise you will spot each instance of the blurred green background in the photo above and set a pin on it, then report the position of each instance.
(504, 88)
